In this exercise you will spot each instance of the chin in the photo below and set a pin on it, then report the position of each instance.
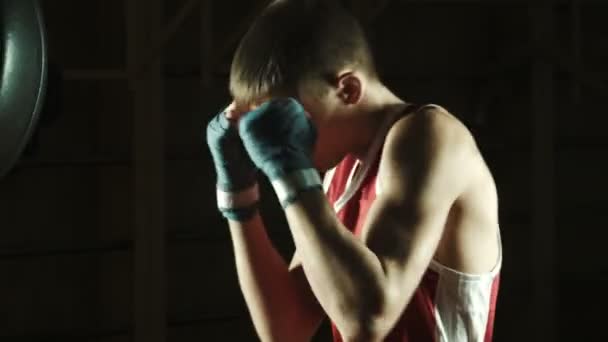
(320, 166)
(324, 165)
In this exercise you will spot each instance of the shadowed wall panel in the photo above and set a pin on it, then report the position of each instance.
(62, 296)
(232, 329)
(87, 34)
(48, 206)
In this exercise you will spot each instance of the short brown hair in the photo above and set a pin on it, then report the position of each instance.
(294, 41)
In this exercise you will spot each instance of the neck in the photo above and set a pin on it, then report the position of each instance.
(379, 106)
(354, 131)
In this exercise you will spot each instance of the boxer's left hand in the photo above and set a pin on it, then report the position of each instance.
(237, 191)
(279, 137)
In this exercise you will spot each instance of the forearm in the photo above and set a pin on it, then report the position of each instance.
(345, 275)
(276, 301)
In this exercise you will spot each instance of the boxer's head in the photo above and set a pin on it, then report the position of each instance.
(312, 50)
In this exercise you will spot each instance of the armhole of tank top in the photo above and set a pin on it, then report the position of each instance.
(354, 183)
(498, 266)
(439, 268)
(442, 269)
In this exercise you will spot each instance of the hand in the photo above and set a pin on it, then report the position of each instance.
(233, 167)
(237, 192)
(279, 137)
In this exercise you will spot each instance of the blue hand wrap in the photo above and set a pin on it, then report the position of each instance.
(280, 139)
(237, 192)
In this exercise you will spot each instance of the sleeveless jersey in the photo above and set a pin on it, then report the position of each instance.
(448, 305)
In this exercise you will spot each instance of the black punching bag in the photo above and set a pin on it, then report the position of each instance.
(23, 70)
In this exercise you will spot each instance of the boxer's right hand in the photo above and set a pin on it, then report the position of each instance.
(237, 192)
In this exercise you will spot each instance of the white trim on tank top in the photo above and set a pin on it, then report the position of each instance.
(354, 181)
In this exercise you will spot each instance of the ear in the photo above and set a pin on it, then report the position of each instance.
(349, 88)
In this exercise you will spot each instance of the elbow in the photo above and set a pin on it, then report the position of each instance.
(368, 325)
(364, 332)
(367, 320)
(368, 328)
(360, 336)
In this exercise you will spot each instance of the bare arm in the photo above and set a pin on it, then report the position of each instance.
(364, 285)
(279, 299)
(280, 302)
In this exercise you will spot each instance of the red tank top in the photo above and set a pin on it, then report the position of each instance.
(448, 305)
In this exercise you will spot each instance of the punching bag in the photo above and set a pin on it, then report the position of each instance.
(23, 72)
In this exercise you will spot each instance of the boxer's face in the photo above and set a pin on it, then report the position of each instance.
(322, 113)
(328, 109)
(331, 110)
(317, 113)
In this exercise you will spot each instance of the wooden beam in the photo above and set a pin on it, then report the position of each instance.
(207, 44)
(94, 74)
(489, 3)
(378, 9)
(358, 8)
(144, 22)
(543, 242)
(176, 22)
(577, 50)
(368, 11)
(155, 52)
(582, 77)
(573, 63)
(244, 24)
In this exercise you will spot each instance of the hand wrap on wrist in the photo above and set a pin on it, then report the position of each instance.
(237, 190)
(288, 188)
(238, 206)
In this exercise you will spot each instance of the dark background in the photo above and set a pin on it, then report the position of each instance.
(109, 231)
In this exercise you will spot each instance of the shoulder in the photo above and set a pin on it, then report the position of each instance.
(430, 146)
(428, 130)
(429, 122)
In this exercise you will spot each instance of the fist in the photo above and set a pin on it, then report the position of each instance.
(234, 169)
(279, 137)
